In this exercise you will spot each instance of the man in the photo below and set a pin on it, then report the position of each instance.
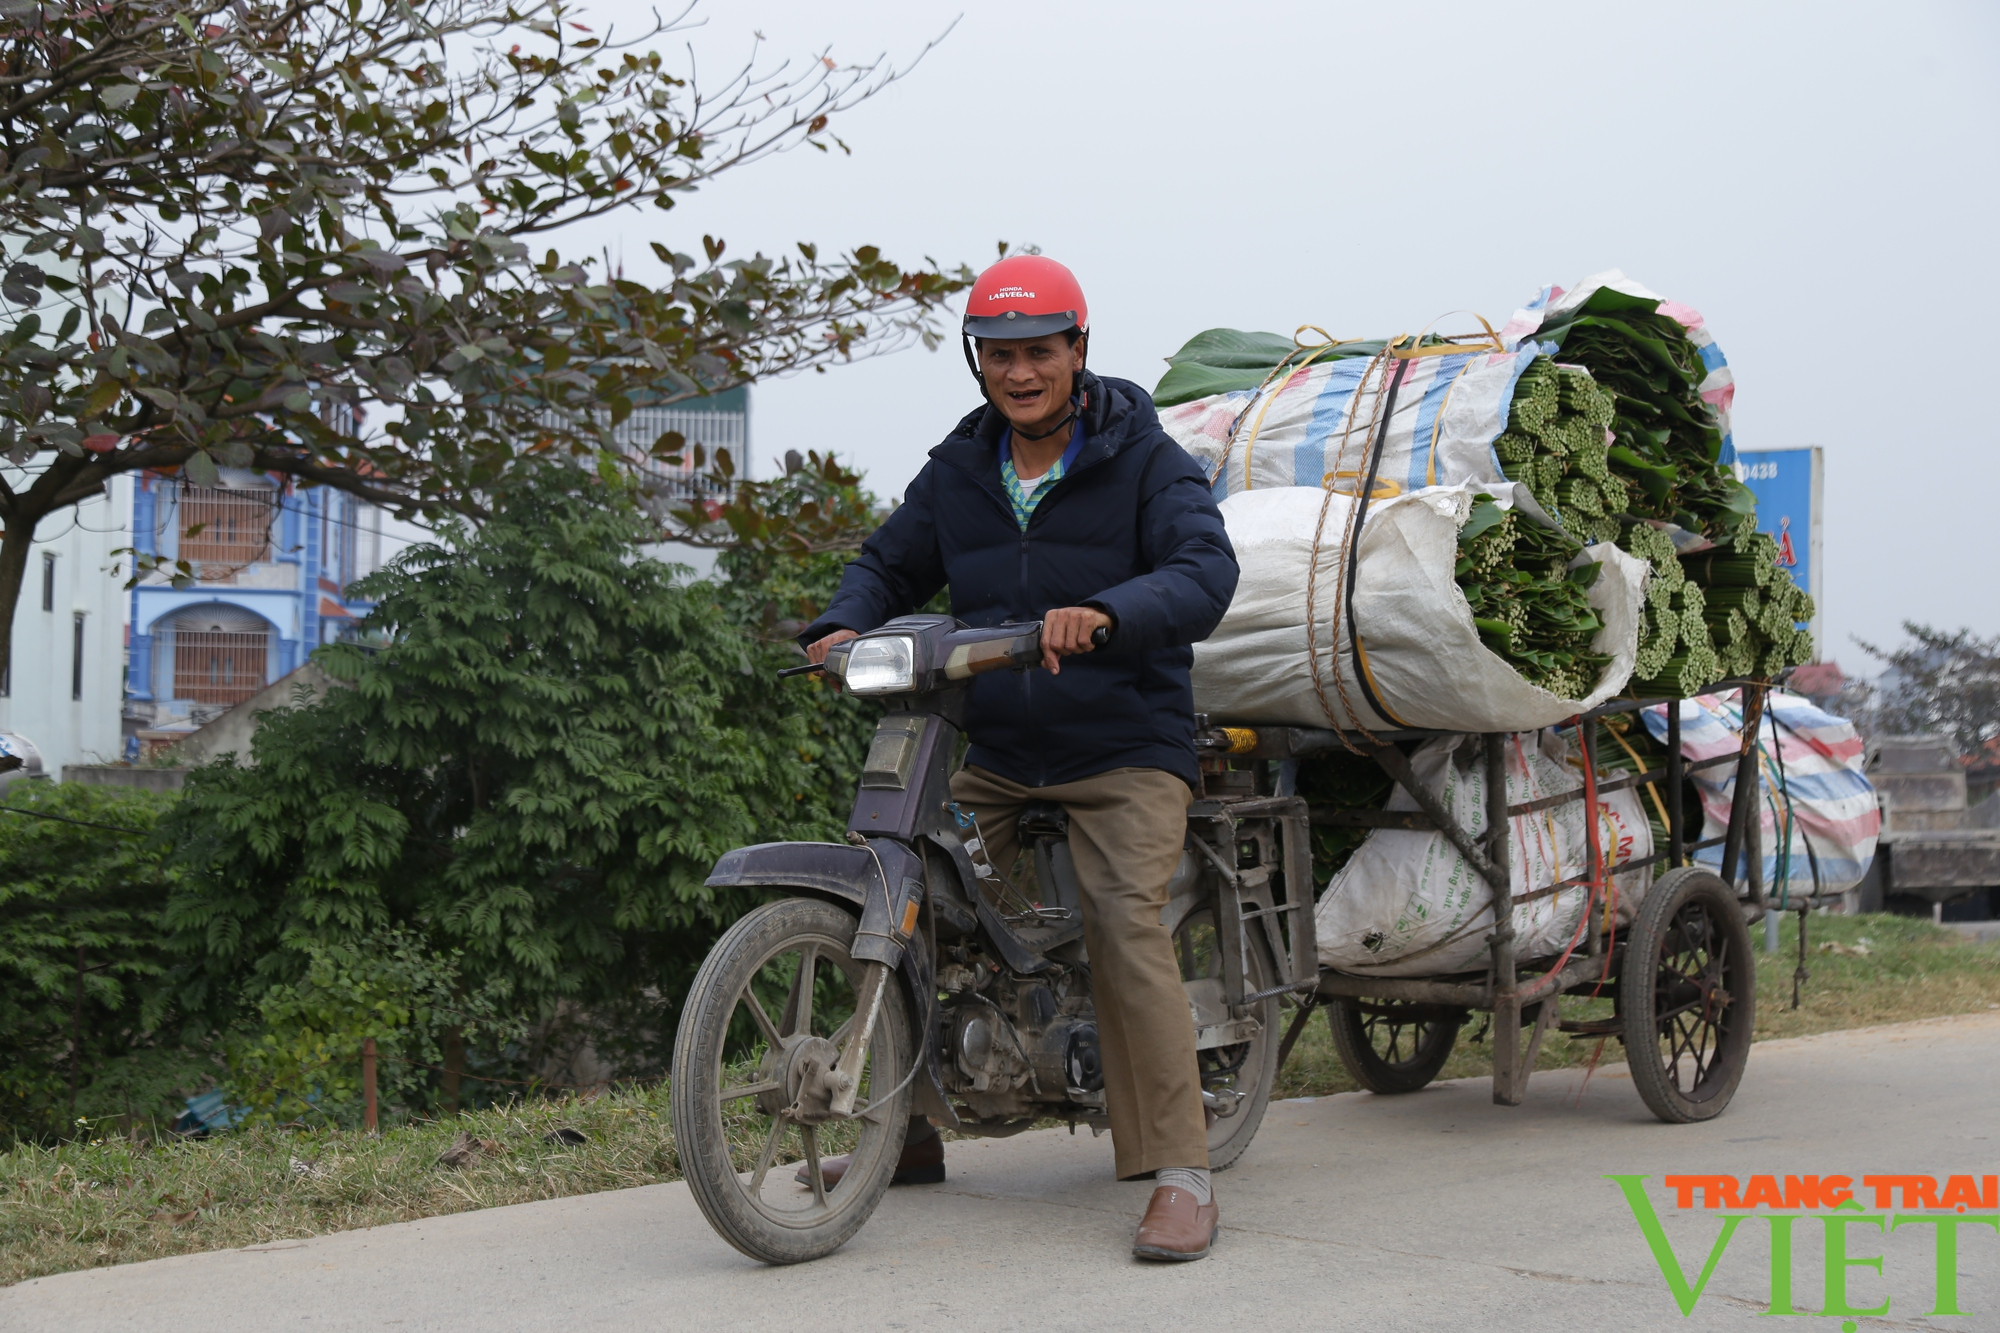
(1062, 500)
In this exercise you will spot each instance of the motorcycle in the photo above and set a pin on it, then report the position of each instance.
(903, 973)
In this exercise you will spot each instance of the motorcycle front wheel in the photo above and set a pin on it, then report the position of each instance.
(775, 999)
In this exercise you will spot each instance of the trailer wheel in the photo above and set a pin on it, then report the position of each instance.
(1687, 993)
(1393, 1046)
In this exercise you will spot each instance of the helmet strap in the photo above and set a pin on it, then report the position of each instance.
(1029, 435)
(972, 364)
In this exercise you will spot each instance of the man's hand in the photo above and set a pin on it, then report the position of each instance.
(1066, 630)
(816, 654)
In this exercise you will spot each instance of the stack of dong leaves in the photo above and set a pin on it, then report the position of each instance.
(1639, 462)
(1612, 438)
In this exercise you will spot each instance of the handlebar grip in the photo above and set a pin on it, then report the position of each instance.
(1100, 637)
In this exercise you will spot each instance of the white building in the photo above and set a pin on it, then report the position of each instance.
(64, 688)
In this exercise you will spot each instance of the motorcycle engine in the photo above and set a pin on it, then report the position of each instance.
(1014, 1046)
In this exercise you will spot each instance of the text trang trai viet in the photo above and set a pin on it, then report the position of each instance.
(1792, 1205)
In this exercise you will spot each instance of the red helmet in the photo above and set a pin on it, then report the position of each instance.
(1025, 296)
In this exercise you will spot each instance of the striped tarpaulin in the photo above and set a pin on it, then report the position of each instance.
(1811, 780)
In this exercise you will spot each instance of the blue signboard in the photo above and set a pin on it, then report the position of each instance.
(1787, 483)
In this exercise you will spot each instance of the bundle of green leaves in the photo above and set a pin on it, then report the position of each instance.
(1749, 598)
(1615, 444)
(1727, 609)
(1235, 361)
(1530, 598)
(1727, 612)
(1666, 442)
(1555, 444)
(530, 780)
(1336, 779)
(1530, 605)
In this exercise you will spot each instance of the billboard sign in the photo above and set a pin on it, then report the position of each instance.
(1788, 485)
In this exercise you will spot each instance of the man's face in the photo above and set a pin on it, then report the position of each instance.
(1030, 379)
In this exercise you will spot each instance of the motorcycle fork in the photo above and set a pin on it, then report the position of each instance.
(847, 1069)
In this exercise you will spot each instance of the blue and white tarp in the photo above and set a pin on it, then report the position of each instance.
(1315, 425)
(1816, 809)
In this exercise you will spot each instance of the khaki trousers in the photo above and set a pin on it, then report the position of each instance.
(1126, 828)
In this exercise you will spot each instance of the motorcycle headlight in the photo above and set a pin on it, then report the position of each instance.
(882, 666)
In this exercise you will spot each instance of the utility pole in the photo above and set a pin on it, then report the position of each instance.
(368, 1084)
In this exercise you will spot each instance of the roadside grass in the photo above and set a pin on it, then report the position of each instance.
(87, 1204)
(92, 1203)
(1910, 969)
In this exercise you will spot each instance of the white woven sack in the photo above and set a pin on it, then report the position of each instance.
(1420, 651)
(1407, 904)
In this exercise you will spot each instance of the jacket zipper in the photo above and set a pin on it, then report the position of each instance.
(1030, 721)
(1031, 726)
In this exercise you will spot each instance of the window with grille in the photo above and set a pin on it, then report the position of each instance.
(712, 430)
(226, 527)
(218, 666)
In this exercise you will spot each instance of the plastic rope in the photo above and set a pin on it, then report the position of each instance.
(1378, 362)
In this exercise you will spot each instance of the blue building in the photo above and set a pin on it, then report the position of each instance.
(272, 563)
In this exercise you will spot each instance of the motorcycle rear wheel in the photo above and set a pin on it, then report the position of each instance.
(736, 1071)
(1246, 1069)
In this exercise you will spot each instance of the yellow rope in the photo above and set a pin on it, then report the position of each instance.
(1652, 788)
(1313, 352)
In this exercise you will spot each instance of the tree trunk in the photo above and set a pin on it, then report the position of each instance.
(16, 544)
(454, 1065)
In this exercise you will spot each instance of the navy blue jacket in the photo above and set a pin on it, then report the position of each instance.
(1130, 529)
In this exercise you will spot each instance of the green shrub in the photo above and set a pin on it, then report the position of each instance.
(532, 779)
(90, 1022)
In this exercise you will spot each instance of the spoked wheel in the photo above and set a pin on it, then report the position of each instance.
(1239, 1063)
(765, 1022)
(1393, 1046)
(1688, 996)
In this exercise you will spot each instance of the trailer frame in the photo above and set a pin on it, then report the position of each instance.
(1521, 994)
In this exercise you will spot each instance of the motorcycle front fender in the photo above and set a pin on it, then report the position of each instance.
(884, 882)
(884, 879)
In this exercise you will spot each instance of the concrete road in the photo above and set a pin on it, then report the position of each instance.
(1438, 1211)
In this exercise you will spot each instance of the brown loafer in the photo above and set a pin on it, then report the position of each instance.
(1176, 1228)
(920, 1164)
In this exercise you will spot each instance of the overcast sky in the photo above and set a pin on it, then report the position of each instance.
(1818, 180)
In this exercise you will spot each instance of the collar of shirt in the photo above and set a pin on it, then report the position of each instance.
(1023, 497)
(1069, 454)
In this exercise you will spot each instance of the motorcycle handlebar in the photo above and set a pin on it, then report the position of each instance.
(1099, 638)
